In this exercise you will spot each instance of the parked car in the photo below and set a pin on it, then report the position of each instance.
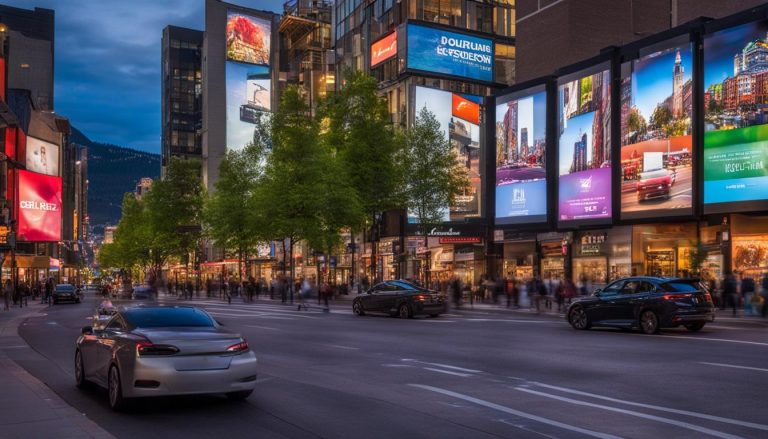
(648, 303)
(401, 298)
(142, 292)
(162, 350)
(67, 292)
(655, 184)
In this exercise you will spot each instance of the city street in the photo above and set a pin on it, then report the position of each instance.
(469, 373)
(680, 194)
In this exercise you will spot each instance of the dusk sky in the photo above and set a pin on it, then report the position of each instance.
(107, 59)
(720, 48)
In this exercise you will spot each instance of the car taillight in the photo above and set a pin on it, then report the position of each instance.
(420, 297)
(708, 297)
(238, 347)
(676, 296)
(146, 349)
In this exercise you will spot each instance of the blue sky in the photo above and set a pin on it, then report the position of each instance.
(531, 111)
(652, 78)
(720, 48)
(108, 62)
(577, 126)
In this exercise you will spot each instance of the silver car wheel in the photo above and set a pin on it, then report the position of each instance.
(357, 308)
(649, 322)
(114, 388)
(405, 311)
(578, 318)
(79, 376)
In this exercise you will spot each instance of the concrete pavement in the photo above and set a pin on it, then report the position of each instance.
(28, 408)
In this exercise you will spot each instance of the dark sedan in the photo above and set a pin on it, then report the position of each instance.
(648, 303)
(67, 292)
(400, 298)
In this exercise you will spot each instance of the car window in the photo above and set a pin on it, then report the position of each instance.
(645, 287)
(681, 286)
(116, 324)
(629, 287)
(168, 317)
(613, 288)
(403, 285)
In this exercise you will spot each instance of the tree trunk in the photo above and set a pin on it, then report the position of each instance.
(290, 281)
(352, 270)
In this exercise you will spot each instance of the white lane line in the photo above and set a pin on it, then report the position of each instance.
(338, 346)
(269, 328)
(459, 374)
(681, 424)
(518, 413)
(444, 366)
(221, 314)
(511, 321)
(656, 407)
(734, 366)
(712, 339)
(435, 321)
(13, 347)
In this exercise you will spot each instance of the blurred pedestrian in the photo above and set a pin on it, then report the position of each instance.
(764, 311)
(730, 294)
(326, 292)
(747, 292)
(498, 289)
(456, 291)
(7, 293)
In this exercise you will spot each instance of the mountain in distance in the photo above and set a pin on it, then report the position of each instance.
(112, 171)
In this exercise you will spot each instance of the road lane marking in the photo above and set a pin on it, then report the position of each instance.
(674, 422)
(444, 366)
(221, 314)
(269, 328)
(435, 321)
(518, 413)
(734, 366)
(656, 407)
(512, 321)
(338, 346)
(693, 337)
(448, 372)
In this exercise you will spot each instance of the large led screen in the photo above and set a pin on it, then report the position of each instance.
(248, 38)
(39, 207)
(42, 156)
(656, 144)
(384, 49)
(736, 118)
(450, 53)
(521, 143)
(584, 147)
(248, 95)
(459, 118)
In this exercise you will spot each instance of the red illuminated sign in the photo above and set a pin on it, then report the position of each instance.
(460, 240)
(384, 49)
(466, 109)
(39, 207)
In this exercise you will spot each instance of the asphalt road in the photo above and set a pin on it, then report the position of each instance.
(468, 374)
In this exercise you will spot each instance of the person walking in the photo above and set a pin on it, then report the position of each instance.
(747, 292)
(49, 290)
(730, 294)
(456, 291)
(7, 293)
(764, 311)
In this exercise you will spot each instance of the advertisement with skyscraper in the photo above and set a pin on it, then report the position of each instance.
(736, 118)
(584, 147)
(656, 143)
(458, 115)
(521, 142)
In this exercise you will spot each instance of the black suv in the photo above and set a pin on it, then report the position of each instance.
(650, 303)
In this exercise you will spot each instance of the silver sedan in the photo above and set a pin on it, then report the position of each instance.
(159, 350)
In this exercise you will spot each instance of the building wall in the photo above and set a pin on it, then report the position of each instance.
(30, 57)
(214, 99)
(555, 33)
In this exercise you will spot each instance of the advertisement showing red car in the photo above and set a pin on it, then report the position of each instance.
(39, 207)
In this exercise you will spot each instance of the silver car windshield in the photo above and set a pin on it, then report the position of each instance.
(167, 317)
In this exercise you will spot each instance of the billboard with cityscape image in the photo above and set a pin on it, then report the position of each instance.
(736, 118)
(584, 147)
(656, 144)
(459, 118)
(248, 95)
(521, 138)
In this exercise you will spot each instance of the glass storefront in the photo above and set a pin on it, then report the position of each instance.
(601, 256)
(749, 245)
(667, 250)
(518, 260)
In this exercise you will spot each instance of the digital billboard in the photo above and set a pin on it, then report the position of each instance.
(248, 95)
(521, 143)
(449, 53)
(39, 207)
(248, 38)
(42, 156)
(584, 147)
(736, 118)
(458, 115)
(384, 49)
(656, 143)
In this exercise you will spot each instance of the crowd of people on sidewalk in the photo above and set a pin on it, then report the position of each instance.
(23, 291)
(741, 291)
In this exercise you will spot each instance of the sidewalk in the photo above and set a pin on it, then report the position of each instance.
(28, 408)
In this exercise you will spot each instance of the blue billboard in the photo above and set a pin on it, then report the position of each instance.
(450, 53)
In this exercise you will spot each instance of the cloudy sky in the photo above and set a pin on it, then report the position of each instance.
(108, 62)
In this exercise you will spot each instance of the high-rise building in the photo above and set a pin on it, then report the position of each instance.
(143, 187)
(579, 155)
(677, 86)
(306, 48)
(181, 112)
(553, 34)
(524, 144)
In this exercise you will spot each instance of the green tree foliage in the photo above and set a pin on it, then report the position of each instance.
(661, 117)
(129, 249)
(636, 122)
(434, 177)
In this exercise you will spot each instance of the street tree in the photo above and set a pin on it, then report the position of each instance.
(433, 174)
(129, 250)
(360, 130)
